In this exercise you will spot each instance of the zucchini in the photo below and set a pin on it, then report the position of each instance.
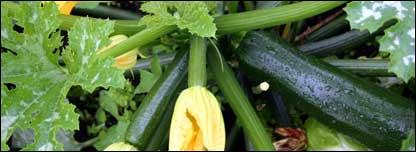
(371, 114)
(104, 12)
(336, 44)
(232, 136)
(148, 115)
(343, 42)
(328, 30)
(367, 67)
(159, 141)
(282, 114)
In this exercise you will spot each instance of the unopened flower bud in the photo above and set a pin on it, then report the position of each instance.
(126, 60)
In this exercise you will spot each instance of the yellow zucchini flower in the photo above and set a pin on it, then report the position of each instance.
(120, 146)
(65, 7)
(126, 60)
(197, 122)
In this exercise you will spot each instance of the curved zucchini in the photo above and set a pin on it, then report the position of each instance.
(339, 43)
(148, 115)
(371, 114)
(328, 30)
(367, 67)
(159, 140)
(342, 42)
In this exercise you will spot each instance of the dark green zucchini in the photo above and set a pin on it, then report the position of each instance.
(371, 114)
(343, 42)
(148, 115)
(104, 12)
(332, 28)
(366, 67)
(159, 140)
(336, 44)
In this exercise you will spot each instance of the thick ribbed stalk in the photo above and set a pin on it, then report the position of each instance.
(256, 19)
(127, 27)
(197, 62)
(271, 17)
(137, 40)
(226, 24)
(239, 103)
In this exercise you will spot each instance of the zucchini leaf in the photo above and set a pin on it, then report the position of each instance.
(322, 138)
(399, 40)
(38, 100)
(114, 98)
(113, 134)
(148, 79)
(193, 16)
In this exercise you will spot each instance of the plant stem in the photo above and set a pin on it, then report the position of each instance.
(139, 39)
(240, 22)
(126, 27)
(164, 59)
(239, 103)
(197, 62)
(286, 31)
(88, 143)
(271, 17)
(226, 23)
(248, 20)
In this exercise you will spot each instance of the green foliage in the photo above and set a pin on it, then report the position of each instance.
(114, 98)
(148, 79)
(409, 142)
(39, 99)
(39, 68)
(322, 138)
(193, 16)
(399, 40)
(114, 134)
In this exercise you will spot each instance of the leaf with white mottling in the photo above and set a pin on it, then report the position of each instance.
(399, 40)
(39, 99)
(85, 39)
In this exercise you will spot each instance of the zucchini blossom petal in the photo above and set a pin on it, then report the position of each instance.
(197, 122)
